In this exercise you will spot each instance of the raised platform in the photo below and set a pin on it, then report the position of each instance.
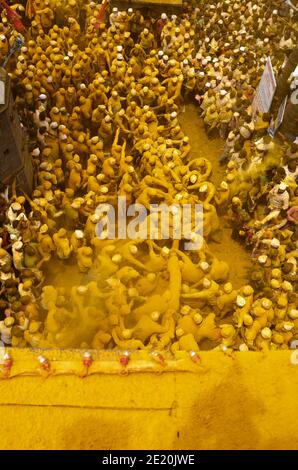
(242, 401)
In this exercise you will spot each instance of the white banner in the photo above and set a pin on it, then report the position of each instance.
(276, 123)
(2, 92)
(265, 91)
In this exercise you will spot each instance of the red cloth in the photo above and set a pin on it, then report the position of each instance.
(293, 214)
(13, 17)
(101, 14)
(160, 24)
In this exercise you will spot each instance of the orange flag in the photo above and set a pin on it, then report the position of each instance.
(30, 9)
(101, 13)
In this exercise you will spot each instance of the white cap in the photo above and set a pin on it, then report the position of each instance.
(203, 188)
(117, 258)
(155, 315)
(261, 147)
(262, 259)
(287, 286)
(266, 333)
(95, 218)
(292, 260)
(165, 250)
(36, 152)
(185, 310)
(76, 204)
(79, 234)
(240, 301)
(266, 303)
(223, 92)
(288, 326)
(275, 284)
(44, 228)
(133, 249)
(42, 96)
(17, 245)
(16, 206)
(275, 243)
(282, 186)
(82, 289)
(163, 16)
(197, 318)
(293, 313)
(104, 189)
(245, 132)
(206, 282)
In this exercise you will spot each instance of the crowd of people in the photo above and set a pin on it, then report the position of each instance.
(100, 100)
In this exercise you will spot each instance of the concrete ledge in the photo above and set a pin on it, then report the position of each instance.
(242, 401)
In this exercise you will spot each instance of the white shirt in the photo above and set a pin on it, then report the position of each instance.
(17, 259)
(278, 201)
(288, 173)
(5, 333)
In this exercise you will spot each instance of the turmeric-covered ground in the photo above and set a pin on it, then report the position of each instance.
(233, 402)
